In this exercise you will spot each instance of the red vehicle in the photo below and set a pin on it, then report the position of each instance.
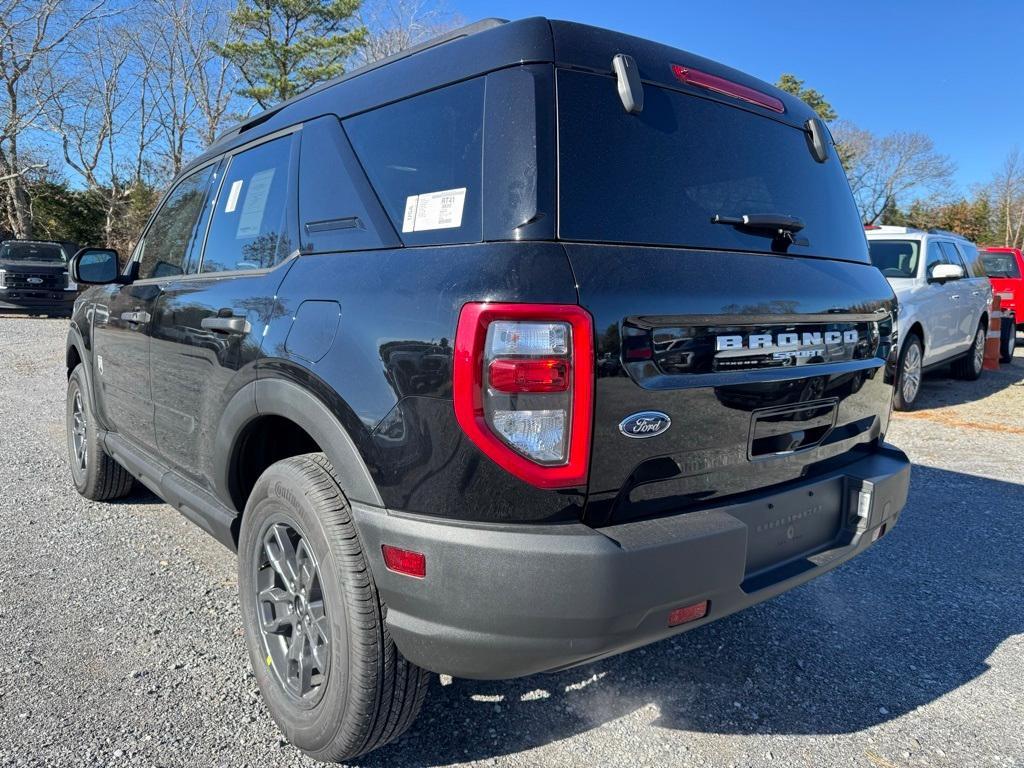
(1005, 268)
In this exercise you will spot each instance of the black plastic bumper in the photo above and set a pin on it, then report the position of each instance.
(38, 302)
(507, 601)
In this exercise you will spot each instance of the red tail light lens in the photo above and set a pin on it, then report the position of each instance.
(523, 388)
(718, 84)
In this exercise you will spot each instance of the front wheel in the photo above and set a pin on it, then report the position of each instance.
(970, 366)
(96, 475)
(331, 676)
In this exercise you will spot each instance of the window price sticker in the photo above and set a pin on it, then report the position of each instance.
(434, 210)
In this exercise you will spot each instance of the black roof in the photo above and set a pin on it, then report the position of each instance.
(484, 47)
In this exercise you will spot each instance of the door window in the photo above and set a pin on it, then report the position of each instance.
(953, 257)
(935, 257)
(171, 244)
(250, 227)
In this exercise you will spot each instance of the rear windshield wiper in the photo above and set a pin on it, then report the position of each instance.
(777, 224)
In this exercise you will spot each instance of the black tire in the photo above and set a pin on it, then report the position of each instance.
(368, 694)
(1009, 340)
(908, 383)
(96, 475)
(970, 366)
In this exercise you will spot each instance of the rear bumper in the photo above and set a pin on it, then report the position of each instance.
(42, 302)
(507, 601)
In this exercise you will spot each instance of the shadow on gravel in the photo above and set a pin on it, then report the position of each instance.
(907, 622)
(939, 388)
(140, 495)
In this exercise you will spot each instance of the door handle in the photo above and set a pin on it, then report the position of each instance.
(136, 317)
(226, 324)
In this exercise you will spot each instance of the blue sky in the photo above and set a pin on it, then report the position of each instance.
(950, 69)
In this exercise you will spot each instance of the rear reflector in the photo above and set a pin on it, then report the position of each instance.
(728, 87)
(405, 561)
(689, 613)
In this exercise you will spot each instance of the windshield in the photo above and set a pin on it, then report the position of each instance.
(659, 177)
(896, 258)
(25, 251)
(1000, 265)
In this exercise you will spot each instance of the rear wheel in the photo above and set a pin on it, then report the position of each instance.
(969, 366)
(95, 474)
(909, 372)
(331, 676)
(1009, 340)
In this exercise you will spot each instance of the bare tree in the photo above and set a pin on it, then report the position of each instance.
(92, 116)
(1008, 193)
(34, 36)
(395, 25)
(883, 168)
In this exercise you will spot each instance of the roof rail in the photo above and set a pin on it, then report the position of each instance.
(447, 37)
(946, 232)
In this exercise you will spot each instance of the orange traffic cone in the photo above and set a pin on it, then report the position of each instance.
(995, 335)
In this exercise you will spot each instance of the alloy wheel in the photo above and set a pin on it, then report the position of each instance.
(79, 433)
(979, 350)
(291, 612)
(911, 374)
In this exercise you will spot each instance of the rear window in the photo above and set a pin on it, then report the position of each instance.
(1000, 265)
(660, 176)
(43, 252)
(896, 258)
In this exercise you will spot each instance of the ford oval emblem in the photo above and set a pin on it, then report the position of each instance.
(34, 280)
(645, 424)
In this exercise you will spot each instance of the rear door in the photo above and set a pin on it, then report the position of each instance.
(765, 350)
(208, 324)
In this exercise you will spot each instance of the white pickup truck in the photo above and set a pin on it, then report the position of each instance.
(944, 299)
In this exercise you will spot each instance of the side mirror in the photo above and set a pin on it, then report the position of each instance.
(95, 266)
(944, 272)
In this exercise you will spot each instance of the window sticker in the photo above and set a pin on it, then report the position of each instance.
(255, 201)
(434, 210)
(232, 202)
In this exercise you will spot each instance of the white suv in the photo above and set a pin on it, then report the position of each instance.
(944, 299)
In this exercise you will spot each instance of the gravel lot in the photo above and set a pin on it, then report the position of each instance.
(122, 643)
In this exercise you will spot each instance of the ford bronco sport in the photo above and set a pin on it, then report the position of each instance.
(523, 348)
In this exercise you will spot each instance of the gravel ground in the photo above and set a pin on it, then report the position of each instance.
(123, 644)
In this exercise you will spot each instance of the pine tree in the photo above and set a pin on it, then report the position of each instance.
(814, 99)
(282, 47)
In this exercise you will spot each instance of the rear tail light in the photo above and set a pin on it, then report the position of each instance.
(523, 388)
(718, 84)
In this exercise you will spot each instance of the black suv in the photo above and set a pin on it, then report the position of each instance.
(523, 348)
(34, 277)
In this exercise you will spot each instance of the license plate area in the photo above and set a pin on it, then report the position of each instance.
(792, 524)
(789, 429)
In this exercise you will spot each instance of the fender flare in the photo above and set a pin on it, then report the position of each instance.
(77, 341)
(280, 397)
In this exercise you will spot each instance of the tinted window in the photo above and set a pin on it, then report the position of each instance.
(660, 176)
(417, 149)
(972, 258)
(171, 244)
(338, 210)
(935, 257)
(250, 219)
(26, 251)
(953, 257)
(896, 258)
(1000, 265)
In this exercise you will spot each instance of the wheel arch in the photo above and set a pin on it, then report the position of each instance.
(300, 422)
